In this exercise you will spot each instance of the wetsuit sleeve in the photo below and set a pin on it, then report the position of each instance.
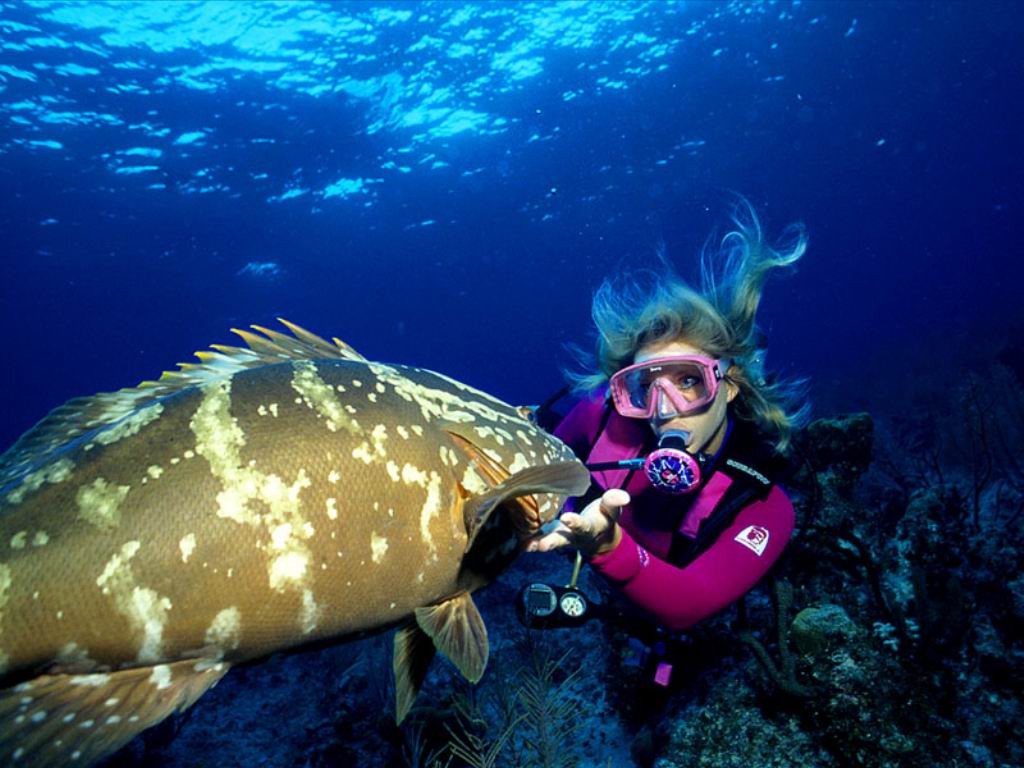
(680, 597)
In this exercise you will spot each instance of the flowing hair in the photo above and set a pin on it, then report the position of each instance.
(720, 319)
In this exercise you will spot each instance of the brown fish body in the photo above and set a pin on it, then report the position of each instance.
(283, 503)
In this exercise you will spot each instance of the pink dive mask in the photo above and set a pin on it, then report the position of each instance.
(666, 386)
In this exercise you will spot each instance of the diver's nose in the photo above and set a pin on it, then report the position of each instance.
(665, 409)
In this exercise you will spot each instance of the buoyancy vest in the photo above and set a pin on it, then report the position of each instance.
(743, 472)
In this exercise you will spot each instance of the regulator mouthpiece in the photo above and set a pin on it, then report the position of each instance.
(669, 468)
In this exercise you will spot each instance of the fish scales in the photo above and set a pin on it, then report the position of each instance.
(282, 503)
(228, 469)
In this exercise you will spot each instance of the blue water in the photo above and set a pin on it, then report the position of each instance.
(445, 183)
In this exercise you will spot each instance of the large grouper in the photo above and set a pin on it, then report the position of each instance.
(261, 499)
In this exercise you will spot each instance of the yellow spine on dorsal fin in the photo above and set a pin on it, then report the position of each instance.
(260, 344)
(295, 348)
(346, 348)
(302, 334)
(226, 350)
(339, 346)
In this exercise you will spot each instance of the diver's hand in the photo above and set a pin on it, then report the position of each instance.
(594, 531)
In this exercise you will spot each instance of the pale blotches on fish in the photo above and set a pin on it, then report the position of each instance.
(96, 680)
(19, 540)
(54, 473)
(309, 612)
(73, 655)
(131, 424)
(145, 610)
(431, 506)
(519, 463)
(332, 508)
(220, 440)
(378, 547)
(160, 676)
(225, 631)
(321, 397)
(5, 587)
(187, 545)
(288, 570)
(154, 471)
(99, 503)
(473, 482)
(373, 449)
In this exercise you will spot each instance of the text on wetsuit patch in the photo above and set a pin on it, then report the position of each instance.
(754, 538)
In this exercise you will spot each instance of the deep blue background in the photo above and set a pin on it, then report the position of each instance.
(893, 133)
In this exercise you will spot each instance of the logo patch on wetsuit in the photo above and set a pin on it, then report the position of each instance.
(754, 538)
(644, 557)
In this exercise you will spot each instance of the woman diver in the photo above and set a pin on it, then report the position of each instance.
(684, 436)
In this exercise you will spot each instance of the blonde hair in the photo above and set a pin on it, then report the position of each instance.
(718, 319)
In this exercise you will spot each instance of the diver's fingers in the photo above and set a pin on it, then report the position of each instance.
(612, 503)
(561, 536)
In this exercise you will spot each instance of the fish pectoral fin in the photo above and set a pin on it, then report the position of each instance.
(458, 632)
(493, 473)
(568, 478)
(67, 719)
(414, 650)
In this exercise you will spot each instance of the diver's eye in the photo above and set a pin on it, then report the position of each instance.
(687, 382)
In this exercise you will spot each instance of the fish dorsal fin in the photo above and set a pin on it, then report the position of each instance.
(84, 415)
(458, 632)
(80, 719)
(414, 650)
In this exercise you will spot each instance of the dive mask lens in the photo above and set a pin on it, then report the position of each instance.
(665, 387)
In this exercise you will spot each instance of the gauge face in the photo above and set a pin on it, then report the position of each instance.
(539, 600)
(572, 604)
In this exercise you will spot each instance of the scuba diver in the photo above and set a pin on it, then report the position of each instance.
(685, 439)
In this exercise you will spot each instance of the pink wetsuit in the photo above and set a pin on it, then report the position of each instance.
(677, 597)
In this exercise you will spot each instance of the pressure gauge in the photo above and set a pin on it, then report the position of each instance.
(573, 604)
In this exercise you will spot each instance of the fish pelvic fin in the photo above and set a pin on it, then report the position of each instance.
(66, 719)
(456, 629)
(83, 415)
(414, 650)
